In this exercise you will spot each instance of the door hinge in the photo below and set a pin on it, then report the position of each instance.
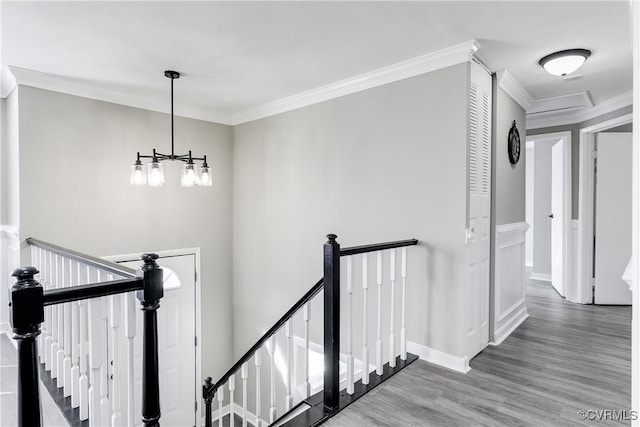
(195, 276)
(594, 154)
(195, 341)
(196, 402)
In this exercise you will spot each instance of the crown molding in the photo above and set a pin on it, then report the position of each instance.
(578, 115)
(7, 82)
(511, 86)
(437, 60)
(82, 89)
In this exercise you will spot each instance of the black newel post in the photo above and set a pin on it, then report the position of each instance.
(208, 398)
(26, 313)
(149, 298)
(331, 324)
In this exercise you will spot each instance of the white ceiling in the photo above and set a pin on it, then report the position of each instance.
(235, 56)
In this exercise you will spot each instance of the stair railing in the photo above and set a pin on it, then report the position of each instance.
(332, 398)
(77, 298)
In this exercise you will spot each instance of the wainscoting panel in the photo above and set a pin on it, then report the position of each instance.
(509, 302)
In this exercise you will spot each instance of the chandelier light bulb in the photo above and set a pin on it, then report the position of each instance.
(155, 174)
(206, 180)
(189, 178)
(138, 177)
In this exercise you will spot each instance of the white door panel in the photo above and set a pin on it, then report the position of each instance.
(613, 217)
(558, 218)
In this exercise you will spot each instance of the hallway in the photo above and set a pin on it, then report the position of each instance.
(565, 358)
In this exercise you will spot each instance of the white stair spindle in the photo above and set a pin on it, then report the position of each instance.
(287, 332)
(403, 332)
(48, 342)
(258, 363)
(350, 379)
(61, 326)
(130, 333)
(75, 341)
(105, 406)
(95, 360)
(271, 347)
(379, 361)
(53, 357)
(66, 364)
(306, 316)
(220, 394)
(392, 337)
(36, 254)
(34, 261)
(365, 329)
(232, 412)
(244, 373)
(114, 322)
(82, 344)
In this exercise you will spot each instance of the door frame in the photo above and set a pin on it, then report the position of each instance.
(563, 138)
(198, 308)
(584, 282)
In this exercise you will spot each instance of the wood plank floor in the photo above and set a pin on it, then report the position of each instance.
(565, 358)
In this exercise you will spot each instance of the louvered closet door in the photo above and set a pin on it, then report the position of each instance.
(479, 203)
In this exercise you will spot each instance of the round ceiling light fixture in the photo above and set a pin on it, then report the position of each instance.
(565, 61)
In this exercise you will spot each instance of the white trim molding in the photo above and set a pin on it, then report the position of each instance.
(509, 309)
(578, 115)
(511, 86)
(7, 82)
(446, 360)
(437, 60)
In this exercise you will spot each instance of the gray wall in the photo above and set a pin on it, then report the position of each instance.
(75, 157)
(575, 147)
(384, 164)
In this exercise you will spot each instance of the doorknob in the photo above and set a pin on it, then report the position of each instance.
(550, 216)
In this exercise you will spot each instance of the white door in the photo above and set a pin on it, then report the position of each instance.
(557, 216)
(176, 344)
(613, 217)
(479, 202)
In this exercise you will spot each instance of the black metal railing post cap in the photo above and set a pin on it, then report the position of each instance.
(151, 272)
(149, 257)
(24, 273)
(332, 237)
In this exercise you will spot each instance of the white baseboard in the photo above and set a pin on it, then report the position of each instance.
(542, 277)
(446, 360)
(518, 316)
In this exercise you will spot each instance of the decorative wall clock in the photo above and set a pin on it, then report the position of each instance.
(514, 144)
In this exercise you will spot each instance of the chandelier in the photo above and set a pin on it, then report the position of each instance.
(154, 176)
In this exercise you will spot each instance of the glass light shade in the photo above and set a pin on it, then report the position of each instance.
(155, 174)
(564, 62)
(138, 177)
(189, 177)
(206, 176)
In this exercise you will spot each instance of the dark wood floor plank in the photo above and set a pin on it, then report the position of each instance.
(566, 357)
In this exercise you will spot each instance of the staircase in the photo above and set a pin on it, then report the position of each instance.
(302, 371)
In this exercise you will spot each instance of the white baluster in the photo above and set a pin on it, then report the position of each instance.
(34, 261)
(220, 395)
(403, 333)
(48, 342)
(95, 360)
(287, 332)
(53, 358)
(244, 373)
(271, 347)
(232, 409)
(350, 379)
(379, 362)
(75, 342)
(365, 329)
(82, 344)
(130, 333)
(105, 406)
(306, 316)
(66, 363)
(114, 322)
(258, 363)
(392, 337)
(60, 273)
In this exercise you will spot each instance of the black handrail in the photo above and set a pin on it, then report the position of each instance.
(108, 266)
(208, 390)
(354, 250)
(92, 290)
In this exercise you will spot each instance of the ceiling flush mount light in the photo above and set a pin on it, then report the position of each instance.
(154, 175)
(564, 62)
